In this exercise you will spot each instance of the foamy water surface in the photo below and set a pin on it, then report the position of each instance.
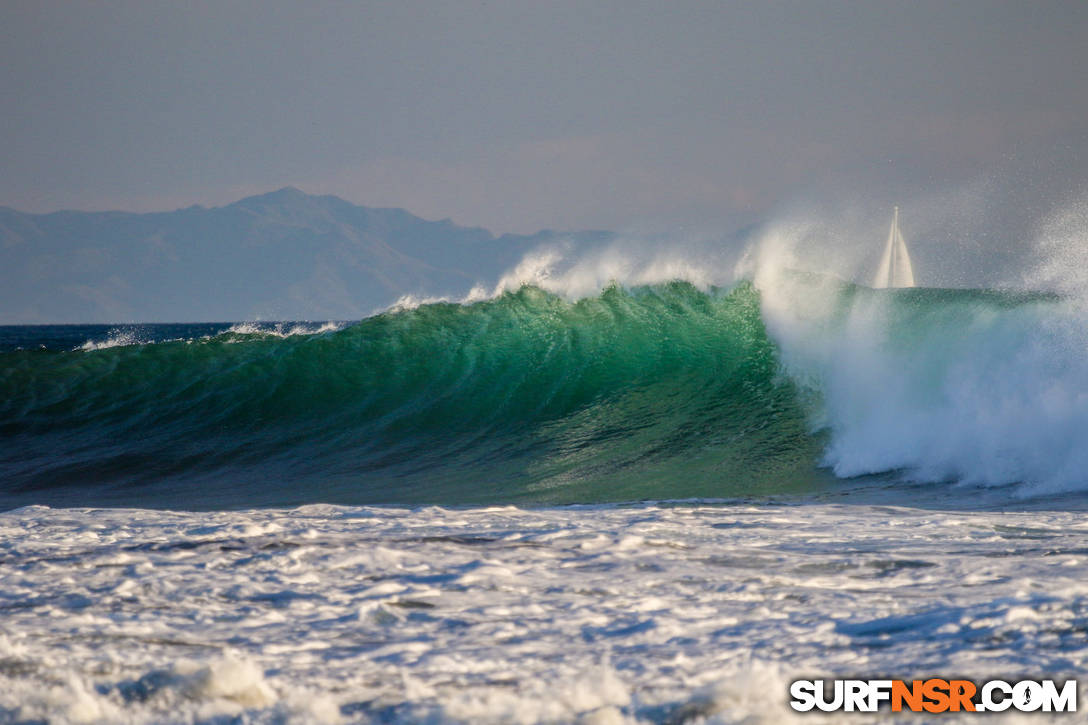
(647, 613)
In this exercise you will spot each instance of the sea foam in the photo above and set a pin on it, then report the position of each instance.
(974, 387)
(637, 614)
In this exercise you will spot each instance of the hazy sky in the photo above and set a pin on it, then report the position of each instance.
(520, 115)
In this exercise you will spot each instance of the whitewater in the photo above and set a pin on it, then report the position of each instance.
(611, 489)
(606, 614)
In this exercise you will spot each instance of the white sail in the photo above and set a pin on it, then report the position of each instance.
(904, 272)
(895, 269)
(883, 271)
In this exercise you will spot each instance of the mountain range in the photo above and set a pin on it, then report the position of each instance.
(285, 255)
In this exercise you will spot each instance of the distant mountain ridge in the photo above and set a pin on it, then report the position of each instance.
(281, 255)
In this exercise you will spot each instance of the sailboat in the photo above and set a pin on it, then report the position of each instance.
(895, 269)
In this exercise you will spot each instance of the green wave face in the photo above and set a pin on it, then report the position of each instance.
(658, 392)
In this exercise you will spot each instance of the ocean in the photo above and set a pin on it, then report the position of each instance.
(652, 503)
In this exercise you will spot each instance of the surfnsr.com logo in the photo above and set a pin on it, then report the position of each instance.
(933, 695)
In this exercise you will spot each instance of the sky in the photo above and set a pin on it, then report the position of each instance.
(520, 115)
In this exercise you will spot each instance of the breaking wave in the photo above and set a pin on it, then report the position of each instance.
(659, 391)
